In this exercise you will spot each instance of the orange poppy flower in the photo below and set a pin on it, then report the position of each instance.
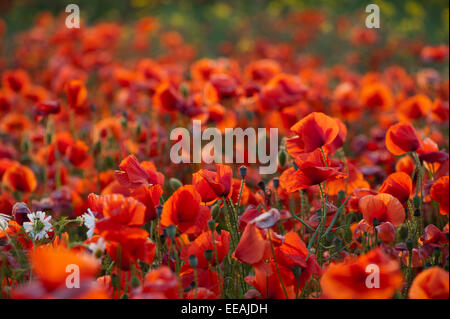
(402, 138)
(348, 280)
(134, 174)
(340, 137)
(311, 171)
(49, 265)
(414, 108)
(159, 283)
(431, 283)
(19, 178)
(384, 207)
(439, 192)
(355, 180)
(313, 131)
(398, 185)
(184, 210)
(376, 97)
(78, 153)
(16, 80)
(254, 249)
(405, 164)
(149, 196)
(213, 185)
(117, 209)
(167, 98)
(76, 94)
(203, 242)
(262, 70)
(439, 111)
(281, 91)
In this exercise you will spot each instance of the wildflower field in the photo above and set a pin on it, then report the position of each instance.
(119, 179)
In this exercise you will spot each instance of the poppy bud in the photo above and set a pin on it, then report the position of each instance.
(417, 213)
(215, 210)
(329, 237)
(403, 232)
(193, 261)
(297, 271)
(409, 244)
(171, 231)
(243, 171)
(135, 282)
(175, 183)
(125, 296)
(295, 166)
(417, 201)
(348, 236)
(212, 224)
(276, 183)
(159, 209)
(208, 254)
(20, 211)
(282, 158)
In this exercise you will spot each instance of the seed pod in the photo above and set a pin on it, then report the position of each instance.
(243, 171)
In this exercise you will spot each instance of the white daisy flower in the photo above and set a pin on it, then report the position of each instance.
(98, 247)
(39, 225)
(4, 221)
(89, 222)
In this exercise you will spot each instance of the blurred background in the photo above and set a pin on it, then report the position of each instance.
(216, 27)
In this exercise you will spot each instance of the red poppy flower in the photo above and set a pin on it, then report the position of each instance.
(149, 196)
(399, 185)
(402, 138)
(414, 108)
(348, 280)
(184, 210)
(213, 185)
(439, 193)
(167, 98)
(376, 96)
(19, 178)
(159, 283)
(431, 283)
(76, 94)
(134, 174)
(311, 171)
(384, 207)
(281, 91)
(313, 131)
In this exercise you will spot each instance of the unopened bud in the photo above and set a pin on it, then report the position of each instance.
(282, 159)
(175, 183)
(159, 209)
(171, 231)
(276, 183)
(243, 171)
(409, 244)
(193, 261)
